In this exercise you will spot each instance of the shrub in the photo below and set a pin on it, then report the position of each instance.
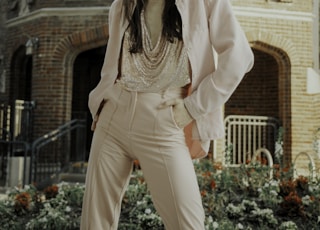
(233, 198)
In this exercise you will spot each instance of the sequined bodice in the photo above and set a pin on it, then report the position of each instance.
(157, 68)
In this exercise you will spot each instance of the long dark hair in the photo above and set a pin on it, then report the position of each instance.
(171, 20)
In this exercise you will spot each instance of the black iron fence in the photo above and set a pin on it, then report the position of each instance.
(23, 160)
(50, 154)
(16, 127)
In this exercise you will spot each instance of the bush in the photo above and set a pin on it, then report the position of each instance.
(233, 198)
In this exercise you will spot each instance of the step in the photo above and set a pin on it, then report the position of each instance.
(72, 177)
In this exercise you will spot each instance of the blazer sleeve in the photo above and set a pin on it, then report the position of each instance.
(96, 96)
(235, 58)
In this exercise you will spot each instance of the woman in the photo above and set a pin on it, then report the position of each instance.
(158, 79)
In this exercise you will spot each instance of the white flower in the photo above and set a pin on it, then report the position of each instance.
(215, 225)
(47, 205)
(274, 183)
(232, 209)
(306, 200)
(240, 226)
(245, 182)
(278, 148)
(43, 220)
(288, 225)
(272, 192)
(27, 187)
(147, 211)
(311, 188)
(42, 198)
(68, 209)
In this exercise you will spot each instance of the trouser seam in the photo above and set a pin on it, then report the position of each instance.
(93, 185)
(171, 188)
(123, 190)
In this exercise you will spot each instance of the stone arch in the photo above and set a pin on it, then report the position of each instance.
(274, 40)
(284, 52)
(68, 49)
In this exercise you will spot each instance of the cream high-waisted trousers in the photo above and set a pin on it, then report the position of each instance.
(131, 126)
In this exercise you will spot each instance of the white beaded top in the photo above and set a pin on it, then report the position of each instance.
(157, 68)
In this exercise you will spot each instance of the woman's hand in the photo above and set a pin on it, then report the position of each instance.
(181, 115)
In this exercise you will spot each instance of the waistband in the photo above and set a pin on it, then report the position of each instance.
(168, 93)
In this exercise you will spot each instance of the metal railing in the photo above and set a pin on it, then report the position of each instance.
(16, 126)
(5, 111)
(16, 120)
(312, 166)
(50, 153)
(246, 134)
(42, 157)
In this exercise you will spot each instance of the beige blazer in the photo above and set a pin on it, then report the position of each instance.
(207, 25)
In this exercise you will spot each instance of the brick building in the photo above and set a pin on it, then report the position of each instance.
(68, 40)
(2, 36)
(284, 36)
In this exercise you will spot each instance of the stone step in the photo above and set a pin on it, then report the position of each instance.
(72, 177)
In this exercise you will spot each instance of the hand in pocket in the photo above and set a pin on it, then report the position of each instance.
(180, 113)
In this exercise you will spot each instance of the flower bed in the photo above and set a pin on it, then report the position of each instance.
(233, 198)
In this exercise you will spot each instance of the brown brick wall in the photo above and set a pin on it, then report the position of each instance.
(257, 94)
(286, 42)
(52, 84)
(2, 34)
(280, 33)
(36, 5)
(294, 38)
(293, 5)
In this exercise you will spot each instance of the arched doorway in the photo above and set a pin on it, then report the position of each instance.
(86, 75)
(265, 91)
(20, 96)
(258, 92)
(21, 80)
